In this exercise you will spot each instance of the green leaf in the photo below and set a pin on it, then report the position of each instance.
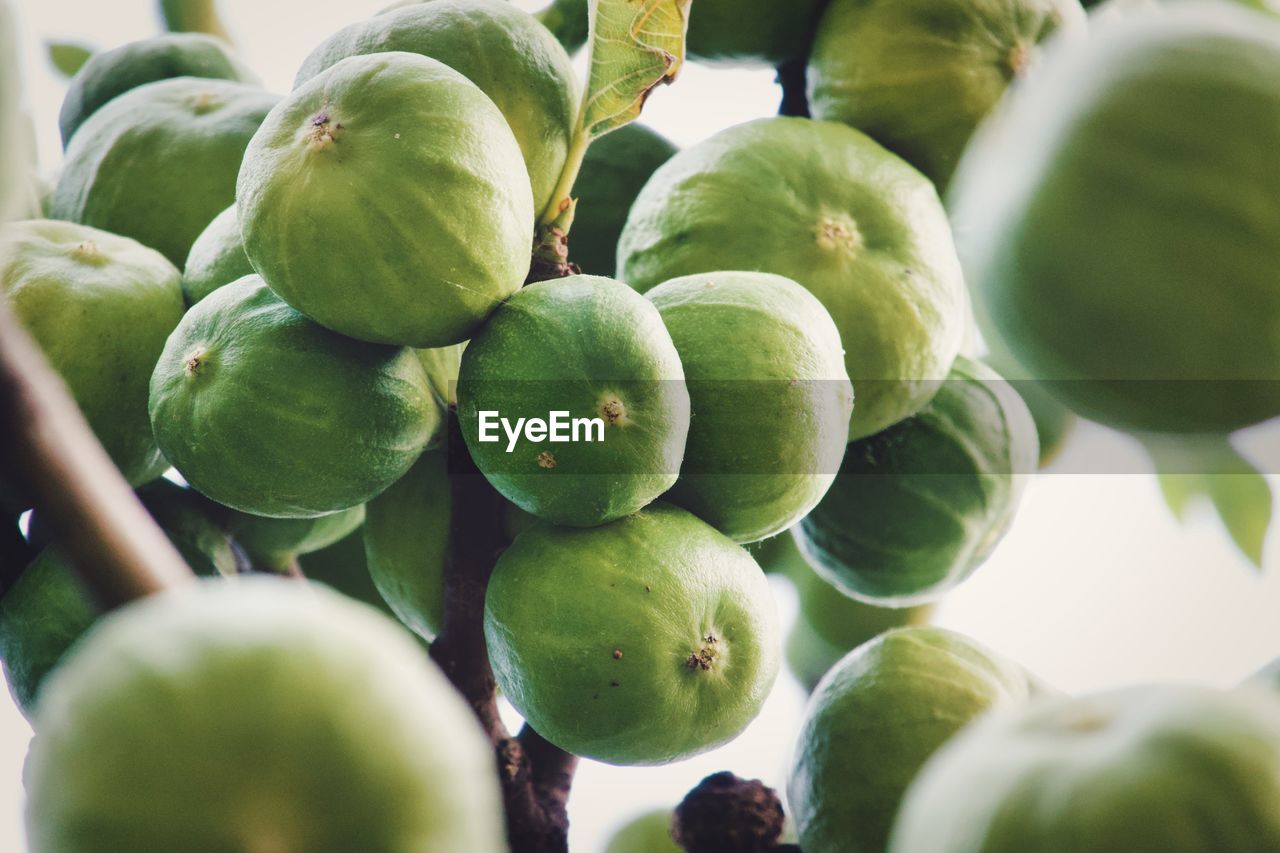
(1243, 501)
(635, 46)
(1191, 468)
(1179, 491)
(568, 21)
(193, 16)
(68, 56)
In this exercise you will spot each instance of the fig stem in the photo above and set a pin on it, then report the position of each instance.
(562, 196)
(51, 454)
(792, 79)
(535, 775)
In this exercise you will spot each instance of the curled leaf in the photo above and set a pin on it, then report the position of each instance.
(636, 45)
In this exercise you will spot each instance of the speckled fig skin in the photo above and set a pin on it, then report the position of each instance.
(769, 399)
(666, 641)
(129, 168)
(824, 205)
(419, 263)
(503, 50)
(101, 307)
(263, 410)
(919, 75)
(595, 348)
(356, 740)
(876, 718)
(110, 73)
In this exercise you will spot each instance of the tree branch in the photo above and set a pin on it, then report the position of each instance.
(795, 100)
(53, 458)
(535, 775)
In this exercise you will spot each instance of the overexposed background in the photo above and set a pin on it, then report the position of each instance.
(1095, 586)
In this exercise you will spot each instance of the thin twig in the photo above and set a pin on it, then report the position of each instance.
(54, 459)
(795, 100)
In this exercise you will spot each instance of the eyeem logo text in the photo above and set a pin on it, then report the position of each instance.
(558, 428)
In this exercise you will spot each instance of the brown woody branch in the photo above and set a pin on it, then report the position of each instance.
(535, 775)
(51, 456)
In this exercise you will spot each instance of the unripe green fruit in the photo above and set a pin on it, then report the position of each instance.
(825, 206)
(342, 566)
(647, 833)
(665, 642)
(593, 348)
(769, 399)
(406, 541)
(159, 162)
(830, 625)
(918, 75)
(876, 718)
(216, 258)
(614, 170)
(315, 723)
(752, 31)
(1174, 769)
(47, 610)
(1118, 218)
(100, 307)
(503, 50)
(417, 262)
(263, 410)
(442, 365)
(276, 541)
(778, 555)
(917, 508)
(110, 73)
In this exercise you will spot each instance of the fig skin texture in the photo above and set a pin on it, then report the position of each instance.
(664, 642)
(919, 75)
(356, 740)
(770, 400)
(101, 307)
(1160, 768)
(505, 51)
(875, 719)
(159, 162)
(216, 258)
(332, 224)
(825, 206)
(919, 507)
(1118, 219)
(594, 348)
(263, 410)
(110, 73)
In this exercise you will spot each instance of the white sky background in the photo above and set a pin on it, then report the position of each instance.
(1096, 585)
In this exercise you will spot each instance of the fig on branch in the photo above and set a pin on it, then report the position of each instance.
(644, 641)
(263, 410)
(111, 73)
(594, 350)
(100, 307)
(824, 205)
(505, 51)
(386, 199)
(917, 508)
(130, 168)
(769, 399)
(355, 739)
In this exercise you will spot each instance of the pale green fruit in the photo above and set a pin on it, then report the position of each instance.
(263, 714)
(823, 205)
(100, 307)
(420, 262)
(665, 640)
(1155, 768)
